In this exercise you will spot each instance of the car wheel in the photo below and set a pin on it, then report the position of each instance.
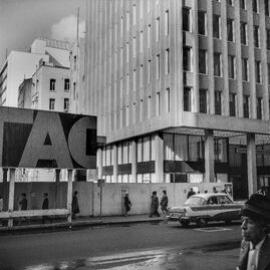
(184, 223)
(201, 222)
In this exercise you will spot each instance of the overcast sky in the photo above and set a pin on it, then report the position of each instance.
(21, 21)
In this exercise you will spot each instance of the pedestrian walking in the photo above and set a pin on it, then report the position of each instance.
(1, 207)
(164, 204)
(1, 203)
(127, 204)
(190, 193)
(22, 206)
(255, 246)
(75, 205)
(154, 205)
(45, 206)
(23, 202)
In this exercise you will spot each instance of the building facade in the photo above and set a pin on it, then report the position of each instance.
(17, 67)
(21, 65)
(181, 90)
(51, 88)
(47, 88)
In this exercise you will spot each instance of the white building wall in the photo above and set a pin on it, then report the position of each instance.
(20, 65)
(60, 56)
(59, 94)
(58, 50)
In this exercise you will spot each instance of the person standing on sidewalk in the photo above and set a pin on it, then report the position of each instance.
(127, 204)
(45, 206)
(22, 207)
(255, 247)
(154, 205)
(164, 204)
(75, 205)
(1, 208)
(23, 202)
(1, 203)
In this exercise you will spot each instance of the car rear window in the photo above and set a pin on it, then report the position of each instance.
(224, 200)
(195, 201)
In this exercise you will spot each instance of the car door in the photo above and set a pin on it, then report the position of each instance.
(212, 206)
(228, 210)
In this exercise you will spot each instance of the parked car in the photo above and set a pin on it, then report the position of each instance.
(202, 208)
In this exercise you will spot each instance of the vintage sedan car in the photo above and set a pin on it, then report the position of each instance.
(202, 208)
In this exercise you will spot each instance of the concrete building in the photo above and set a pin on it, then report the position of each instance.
(51, 88)
(21, 65)
(48, 88)
(17, 67)
(25, 94)
(181, 90)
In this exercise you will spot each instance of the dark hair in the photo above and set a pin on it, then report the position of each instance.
(45, 194)
(164, 191)
(24, 194)
(154, 193)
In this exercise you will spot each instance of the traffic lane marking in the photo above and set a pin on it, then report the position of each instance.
(212, 229)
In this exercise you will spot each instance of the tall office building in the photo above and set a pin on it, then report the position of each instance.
(180, 89)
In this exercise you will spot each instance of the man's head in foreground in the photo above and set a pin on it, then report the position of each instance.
(256, 218)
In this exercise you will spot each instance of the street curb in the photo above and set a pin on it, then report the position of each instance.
(67, 225)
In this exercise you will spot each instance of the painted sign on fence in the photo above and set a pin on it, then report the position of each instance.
(40, 139)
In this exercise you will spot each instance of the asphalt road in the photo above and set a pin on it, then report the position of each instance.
(137, 246)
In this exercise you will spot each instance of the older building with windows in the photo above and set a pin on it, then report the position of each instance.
(181, 90)
(17, 67)
(47, 88)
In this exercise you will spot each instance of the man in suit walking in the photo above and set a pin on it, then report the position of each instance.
(255, 247)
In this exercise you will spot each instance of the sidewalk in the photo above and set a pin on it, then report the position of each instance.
(80, 222)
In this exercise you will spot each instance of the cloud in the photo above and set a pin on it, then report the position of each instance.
(66, 29)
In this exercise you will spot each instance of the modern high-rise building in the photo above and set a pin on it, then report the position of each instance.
(181, 90)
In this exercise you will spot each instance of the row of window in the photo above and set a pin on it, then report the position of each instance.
(145, 151)
(218, 67)
(130, 110)
(176, 147)
(202, 28)
(52, 104)
(186, 14)
(187, 66)
(188, 98)
(203, 103)
(255, 5)
(53, 84)
(187, 26)
(191, 148)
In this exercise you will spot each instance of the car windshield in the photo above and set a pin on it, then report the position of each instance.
(194, 200)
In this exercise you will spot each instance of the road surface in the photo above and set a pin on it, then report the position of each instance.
(137, 246)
